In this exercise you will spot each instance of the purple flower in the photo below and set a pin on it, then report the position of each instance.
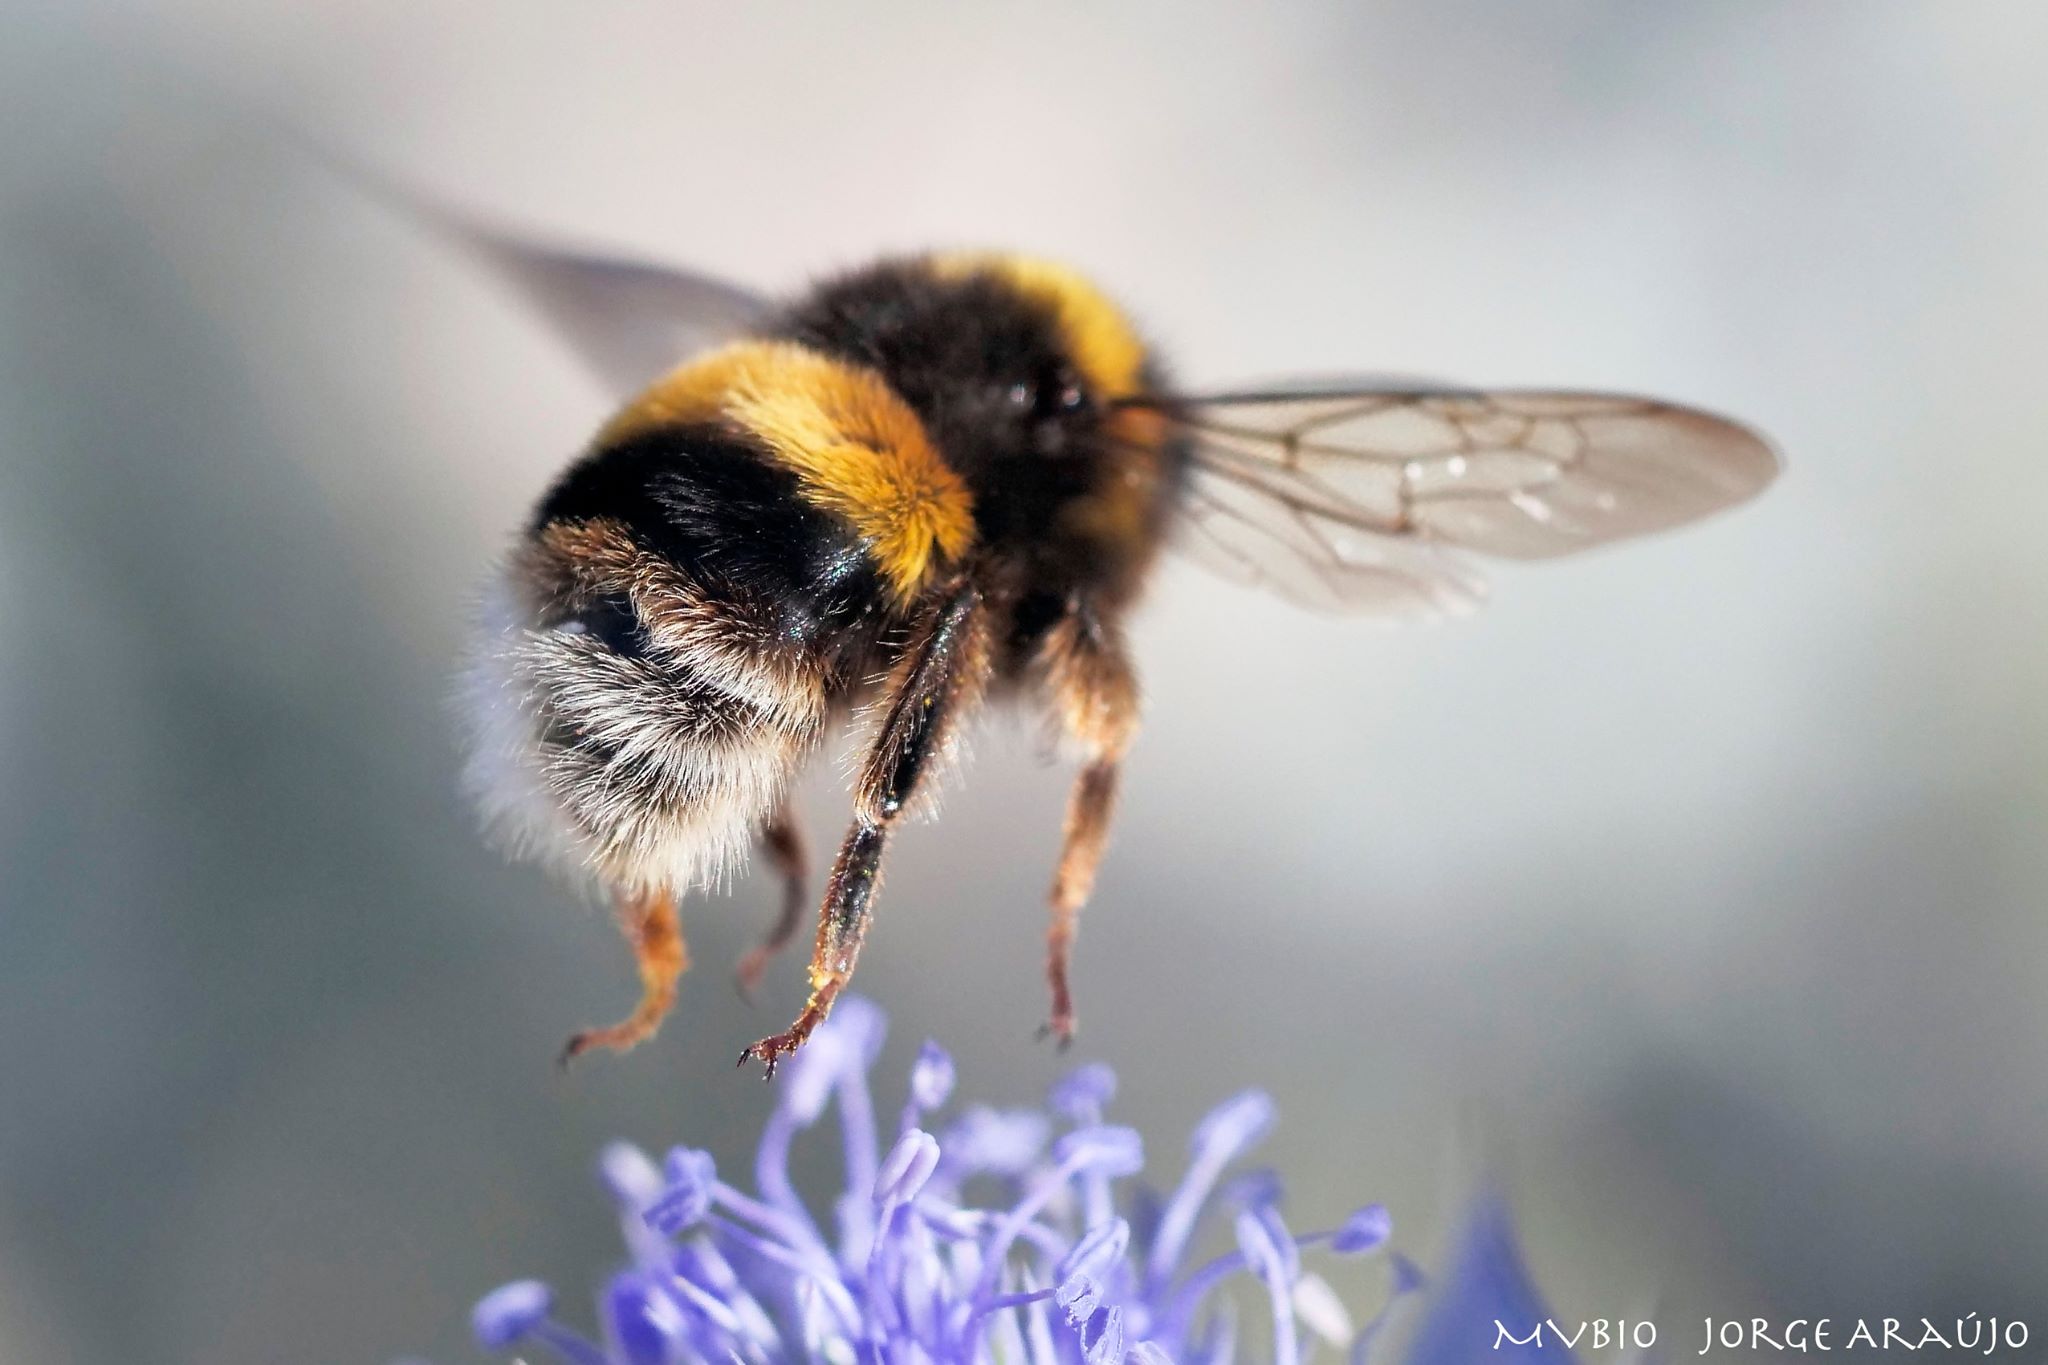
(1484, 1300)
(907, 1269)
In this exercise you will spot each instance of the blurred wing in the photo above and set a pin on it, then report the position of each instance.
(629, 322)
(1347, 500)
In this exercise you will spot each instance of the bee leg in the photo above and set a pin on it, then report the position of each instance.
(940, 676)
(782, 840)
(1096, 692)
(655, 934)
(1087, 836)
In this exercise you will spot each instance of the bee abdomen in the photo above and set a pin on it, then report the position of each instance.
(662, 655)
(715, 510)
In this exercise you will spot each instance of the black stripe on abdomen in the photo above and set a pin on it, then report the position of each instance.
(714, 506)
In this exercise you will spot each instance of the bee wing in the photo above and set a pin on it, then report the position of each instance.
(628, 321)
(1265, 539)
(1356, 499)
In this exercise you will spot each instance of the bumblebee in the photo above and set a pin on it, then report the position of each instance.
(931, 483)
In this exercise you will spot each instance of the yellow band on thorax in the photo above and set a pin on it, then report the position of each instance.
(1105, 347)
(1111, 357)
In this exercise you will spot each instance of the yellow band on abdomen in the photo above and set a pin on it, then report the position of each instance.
(857, 449)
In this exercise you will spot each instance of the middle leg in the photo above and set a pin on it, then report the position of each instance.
(783, 841)
(940, 676)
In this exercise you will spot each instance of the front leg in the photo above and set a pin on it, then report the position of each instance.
(940, 677)
(1096, 692)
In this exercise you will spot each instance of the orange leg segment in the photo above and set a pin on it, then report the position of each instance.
(1097, 696)
(1087, 836)
(655, 934)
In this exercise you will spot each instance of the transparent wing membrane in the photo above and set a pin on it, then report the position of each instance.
(1350, 500)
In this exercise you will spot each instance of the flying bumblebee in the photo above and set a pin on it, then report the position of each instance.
(926, 484)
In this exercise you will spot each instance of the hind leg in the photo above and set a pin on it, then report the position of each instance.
(655, 935)
(783, 842)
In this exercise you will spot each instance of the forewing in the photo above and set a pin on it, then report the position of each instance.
(1522, 475)
(628, 321)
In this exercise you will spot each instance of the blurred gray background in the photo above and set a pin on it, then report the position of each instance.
(1693, 891)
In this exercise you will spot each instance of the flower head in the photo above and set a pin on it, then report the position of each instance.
(907, 1267)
